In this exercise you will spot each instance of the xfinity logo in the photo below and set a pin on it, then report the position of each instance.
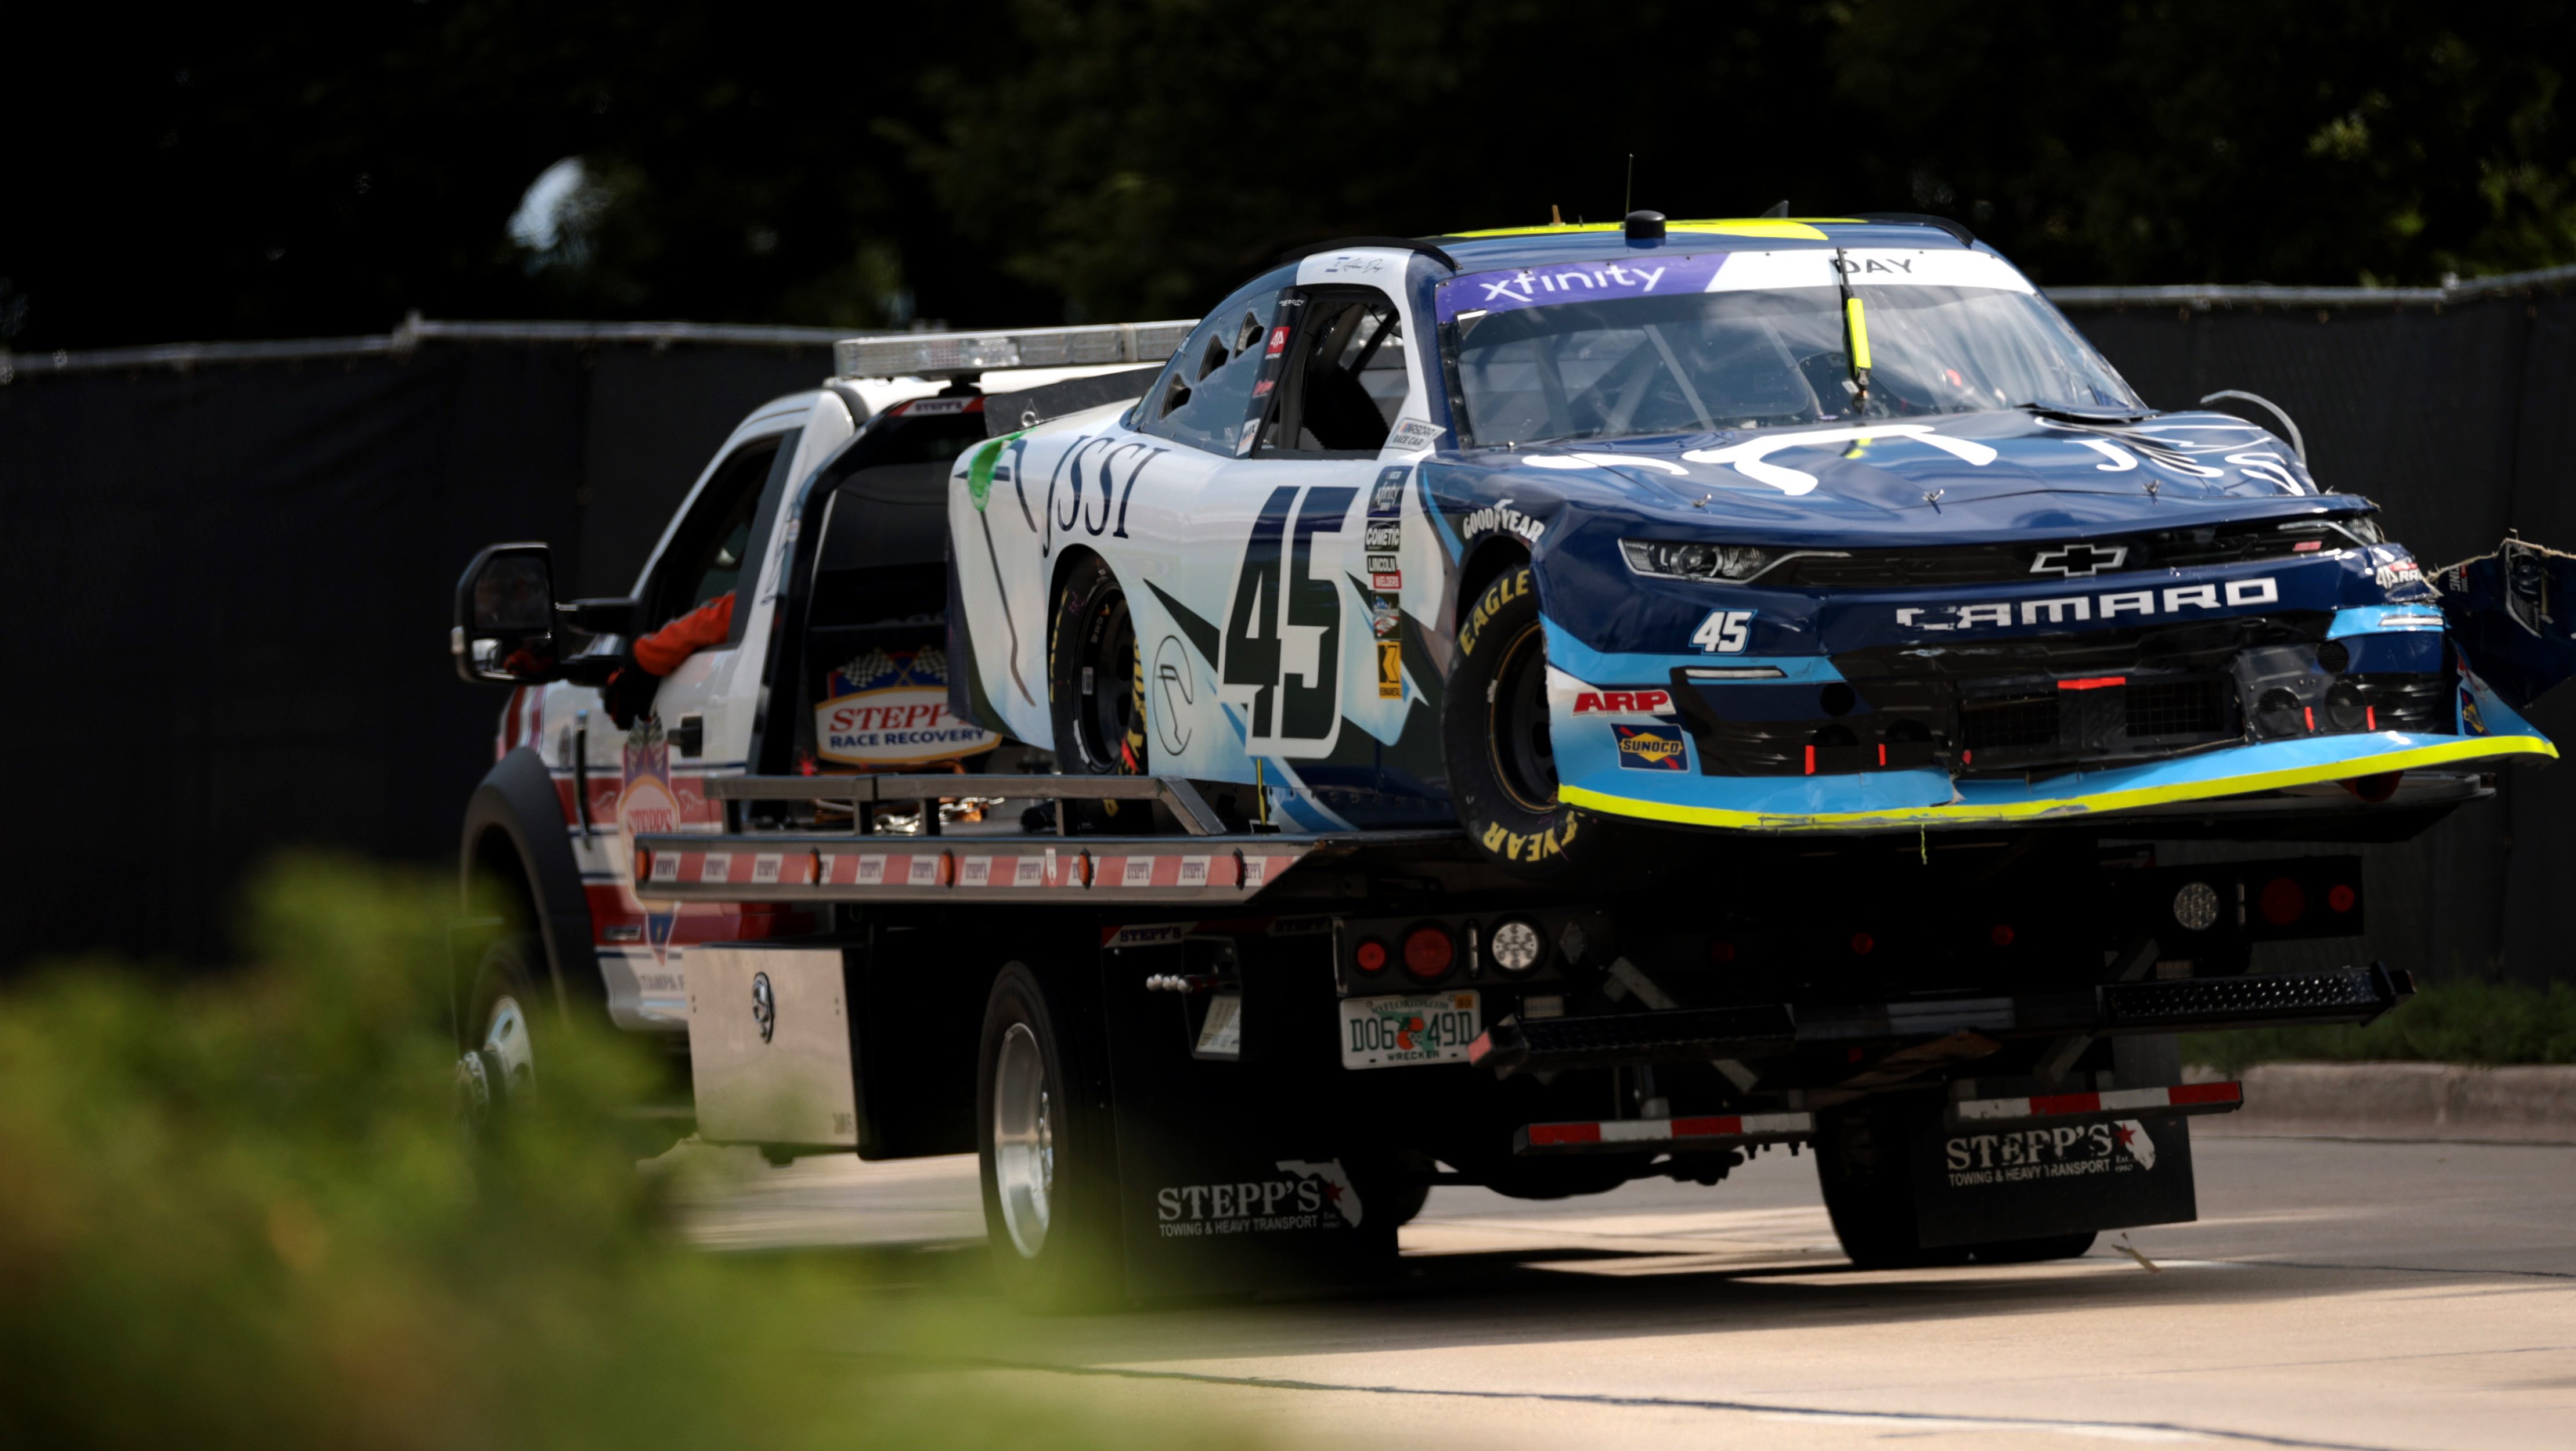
(2071, 609)
(2077, 560)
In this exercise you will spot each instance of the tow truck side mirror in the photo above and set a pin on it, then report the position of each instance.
(505, 616)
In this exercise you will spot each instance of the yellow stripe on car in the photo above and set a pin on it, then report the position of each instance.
(1804, 231)
(1972, 814)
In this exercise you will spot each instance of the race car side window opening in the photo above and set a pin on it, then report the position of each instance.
(1205, 394)
(1703, 362)
(1345, 381)
(706, 557)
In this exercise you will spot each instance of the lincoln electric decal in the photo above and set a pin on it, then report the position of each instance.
(890, 708)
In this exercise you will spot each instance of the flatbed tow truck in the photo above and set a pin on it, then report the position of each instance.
(1200, 1049)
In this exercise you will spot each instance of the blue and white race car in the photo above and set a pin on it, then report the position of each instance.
(1764, 526)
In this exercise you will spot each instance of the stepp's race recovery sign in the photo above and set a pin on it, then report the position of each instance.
(890, 708)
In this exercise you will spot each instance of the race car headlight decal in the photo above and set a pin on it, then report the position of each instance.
(1666, 559)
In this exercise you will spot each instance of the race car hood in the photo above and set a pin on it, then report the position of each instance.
(1963, 476)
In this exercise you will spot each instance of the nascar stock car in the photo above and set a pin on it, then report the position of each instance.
(1762, 526)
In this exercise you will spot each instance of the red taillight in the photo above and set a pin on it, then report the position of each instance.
(2341, 897)
(2002, 936)
(1862, 942)
(1428, 953)
(1370, 956)
(1721, 952)
(643, 863)
(2093, 682)
(2283, 901)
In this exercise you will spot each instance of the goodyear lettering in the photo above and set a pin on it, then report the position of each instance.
(1501, 517)
(1514, 846)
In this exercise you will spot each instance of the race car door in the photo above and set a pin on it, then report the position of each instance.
(1305, 631)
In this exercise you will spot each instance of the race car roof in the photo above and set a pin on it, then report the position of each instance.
(1570, 242)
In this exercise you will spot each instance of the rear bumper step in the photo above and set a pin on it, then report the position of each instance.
(2109, 1106)
(1664, 1135)
(2176, 1005)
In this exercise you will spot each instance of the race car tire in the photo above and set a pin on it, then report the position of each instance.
(1045, 1151)
(1501, 761)
(1096, 677)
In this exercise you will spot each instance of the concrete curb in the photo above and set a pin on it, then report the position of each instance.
(2444, 1101)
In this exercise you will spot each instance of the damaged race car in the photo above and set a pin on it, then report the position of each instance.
(1587, 534)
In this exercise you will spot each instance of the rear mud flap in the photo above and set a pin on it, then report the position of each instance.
(2513, 613)
(1981, 1185)
(1231, 1179)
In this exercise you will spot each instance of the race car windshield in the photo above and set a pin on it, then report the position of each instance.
(1704, 344)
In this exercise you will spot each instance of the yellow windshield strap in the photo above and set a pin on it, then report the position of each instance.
(1859, 328)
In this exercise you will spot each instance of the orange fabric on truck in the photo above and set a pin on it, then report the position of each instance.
(662, 651)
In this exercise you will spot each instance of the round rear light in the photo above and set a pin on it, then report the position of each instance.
(2341, 897)
(2195, 907)
(2283, 901)
(1428, 952)
(1862, 943)
(1721, 951)
(1516, 946)
(1369, 956)
(2002, 936)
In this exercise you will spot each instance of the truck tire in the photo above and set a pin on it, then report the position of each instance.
(498, 1065)
(2032, 1251)
(1046, 1149)
(1869, 1194)
(1502, 764)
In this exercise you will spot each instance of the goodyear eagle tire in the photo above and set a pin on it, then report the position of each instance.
(1502, 763)
(1044, 1145)
(1096, 677)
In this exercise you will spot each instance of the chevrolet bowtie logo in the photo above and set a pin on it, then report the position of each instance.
(2077, 560)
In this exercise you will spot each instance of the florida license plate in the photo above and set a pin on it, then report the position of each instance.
(1396, 1032)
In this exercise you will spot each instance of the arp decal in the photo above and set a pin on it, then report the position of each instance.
(2076, 609)
(1624, 702)
(1724, 632)
(1651, 748)
(1282, 648)
(891, 708)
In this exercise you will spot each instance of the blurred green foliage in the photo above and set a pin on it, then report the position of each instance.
(2464, 1021)
(212, 176)
(239, 1213)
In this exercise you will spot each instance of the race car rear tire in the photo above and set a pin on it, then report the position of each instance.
(1502, 765)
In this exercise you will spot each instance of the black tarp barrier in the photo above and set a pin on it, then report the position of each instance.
(231, 586)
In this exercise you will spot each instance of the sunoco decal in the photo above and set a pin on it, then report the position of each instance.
(2068, 1151)
(891, 708)
(1307, 1196)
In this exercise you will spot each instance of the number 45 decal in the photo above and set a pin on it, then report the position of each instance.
(1285, 698)
(1723, 632)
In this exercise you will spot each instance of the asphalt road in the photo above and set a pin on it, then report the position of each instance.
(2333, 1294)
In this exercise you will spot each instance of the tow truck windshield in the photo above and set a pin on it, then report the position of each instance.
(1748, 340)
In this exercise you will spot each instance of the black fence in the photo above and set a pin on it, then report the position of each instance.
(231, 569)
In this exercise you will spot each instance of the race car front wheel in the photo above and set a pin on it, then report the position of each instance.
(1502, 758)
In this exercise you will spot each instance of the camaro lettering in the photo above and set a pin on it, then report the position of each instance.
(2068, 609)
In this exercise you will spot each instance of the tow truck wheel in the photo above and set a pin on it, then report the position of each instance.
(498, 1066)
(2031, 1251)
(1494, 731)
(1049, 1178)
(1869, 1192)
